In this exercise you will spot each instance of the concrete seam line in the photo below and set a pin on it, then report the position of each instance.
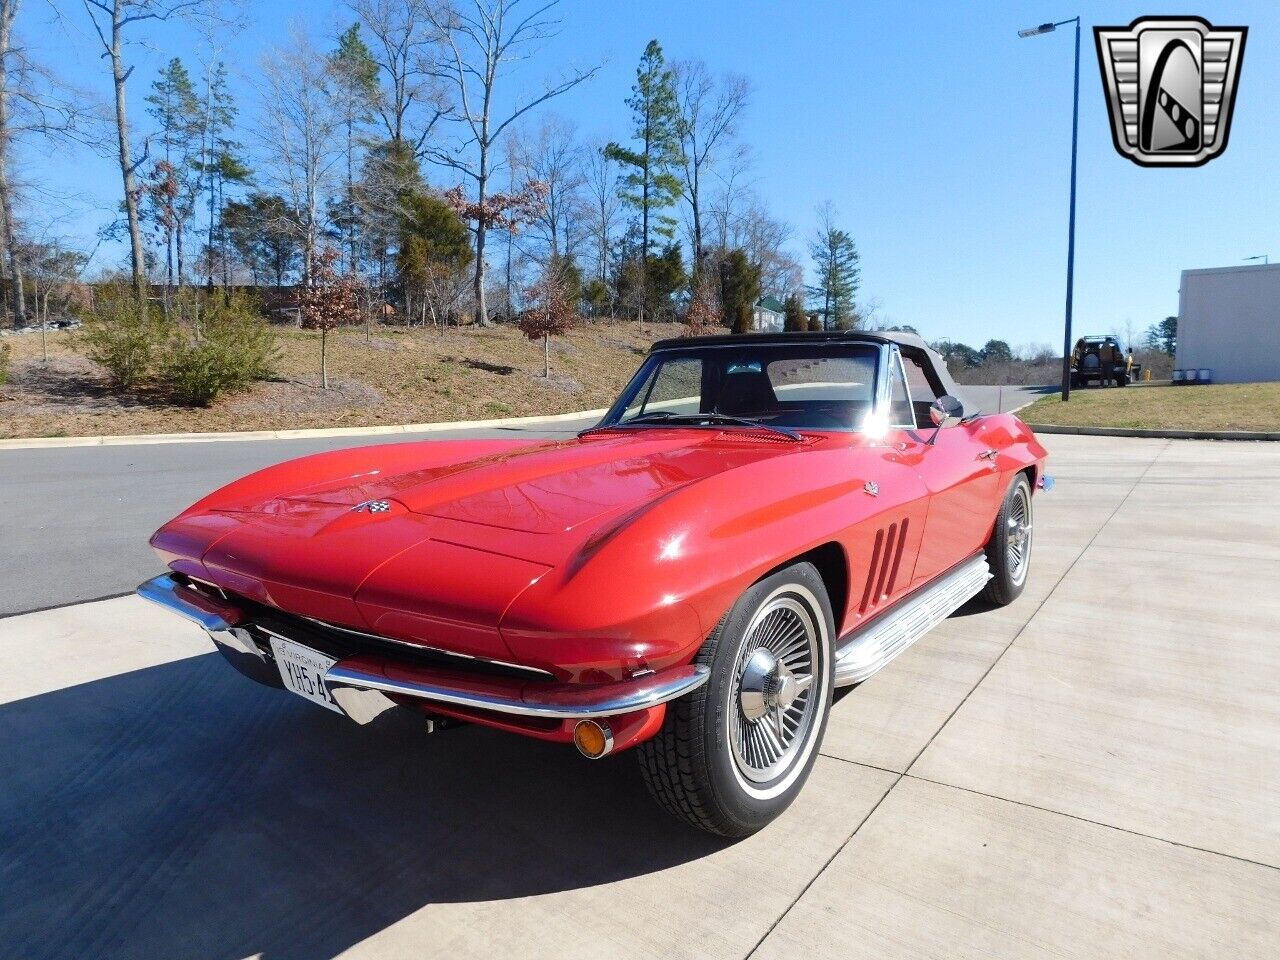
(1079, 818)
(830, 860)
(1154, 434)
(20, 443)
(63, 606)
(1039, 606)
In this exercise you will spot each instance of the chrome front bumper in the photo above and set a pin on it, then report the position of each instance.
(360, 687)
(366, 686)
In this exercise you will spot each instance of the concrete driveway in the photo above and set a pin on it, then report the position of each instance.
(1091, 772)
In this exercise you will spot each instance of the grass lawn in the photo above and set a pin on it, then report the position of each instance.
(400, 376)
(1234, 406)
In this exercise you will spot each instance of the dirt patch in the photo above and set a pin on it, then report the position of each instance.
(277, 397)
(68, 383)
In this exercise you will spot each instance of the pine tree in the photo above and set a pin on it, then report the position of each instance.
(794, 318)
(835, 261)
(739, 290)
(652, 185)
(221, 162)
(174, 106)
(355, 74)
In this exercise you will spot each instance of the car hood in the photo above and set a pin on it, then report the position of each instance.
(538, 489)
(456, 535)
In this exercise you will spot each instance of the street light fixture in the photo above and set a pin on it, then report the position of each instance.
(1265, 258)
(1071, 222)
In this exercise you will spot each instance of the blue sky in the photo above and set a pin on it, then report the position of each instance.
(942, 139)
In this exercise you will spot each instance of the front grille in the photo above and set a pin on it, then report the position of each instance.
(342, 642)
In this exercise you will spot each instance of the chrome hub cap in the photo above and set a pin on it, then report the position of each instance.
(772, 704)
(1018, 536)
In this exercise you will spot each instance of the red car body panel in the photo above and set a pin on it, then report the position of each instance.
(596, 557)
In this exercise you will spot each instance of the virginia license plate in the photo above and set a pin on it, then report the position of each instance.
(302, 670)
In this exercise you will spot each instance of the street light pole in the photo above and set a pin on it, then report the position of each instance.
(1264, 257)
(1071, 220)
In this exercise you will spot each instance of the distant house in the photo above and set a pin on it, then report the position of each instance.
(769, 315)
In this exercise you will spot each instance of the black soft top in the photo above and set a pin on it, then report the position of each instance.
(911, 345)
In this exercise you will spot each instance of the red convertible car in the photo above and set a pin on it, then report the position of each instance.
(756, 522)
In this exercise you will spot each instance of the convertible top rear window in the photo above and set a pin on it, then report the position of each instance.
(820, 386)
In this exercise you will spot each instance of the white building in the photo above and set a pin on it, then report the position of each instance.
(1229, 323)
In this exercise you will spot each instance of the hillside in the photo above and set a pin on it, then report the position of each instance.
(399, 376)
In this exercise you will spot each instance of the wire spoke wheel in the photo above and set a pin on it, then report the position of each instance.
(772, 697)
(1018, 535)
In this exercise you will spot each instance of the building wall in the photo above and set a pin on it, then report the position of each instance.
(1229, 322)
(767, 321)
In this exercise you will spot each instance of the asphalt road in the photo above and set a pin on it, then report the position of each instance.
(1091, 771)
(77, 518)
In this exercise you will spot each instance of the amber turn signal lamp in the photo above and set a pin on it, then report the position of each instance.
(593, 738)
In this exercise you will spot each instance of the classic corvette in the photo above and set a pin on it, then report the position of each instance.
(756, 522)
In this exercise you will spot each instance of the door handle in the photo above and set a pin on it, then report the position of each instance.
(988, 454)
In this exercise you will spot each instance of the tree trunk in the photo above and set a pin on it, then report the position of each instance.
(482, 184)
(546, 356)
(44, 328)
(177, 236)
(697, 229)
(119, 75)
(8, 10)
(324, 358)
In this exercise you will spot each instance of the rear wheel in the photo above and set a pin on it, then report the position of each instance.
(1009, 549)
(733, 754)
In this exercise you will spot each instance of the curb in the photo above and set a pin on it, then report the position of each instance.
(118, 440)
(1154, 434)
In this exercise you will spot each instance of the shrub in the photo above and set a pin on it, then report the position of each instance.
(229, 349)
(122, 335)
(6, 354)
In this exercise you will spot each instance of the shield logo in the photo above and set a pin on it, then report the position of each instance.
(1170, 84)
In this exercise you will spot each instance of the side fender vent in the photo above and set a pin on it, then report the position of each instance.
(882, 571)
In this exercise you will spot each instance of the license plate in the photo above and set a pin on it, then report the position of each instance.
(302, 670)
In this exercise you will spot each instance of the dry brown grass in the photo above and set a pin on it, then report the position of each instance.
(402, 376)
(1235, 406)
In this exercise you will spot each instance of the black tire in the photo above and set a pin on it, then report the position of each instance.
(1010, 567)
(692, 766)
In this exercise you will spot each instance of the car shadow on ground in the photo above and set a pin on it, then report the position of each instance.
(183, 811)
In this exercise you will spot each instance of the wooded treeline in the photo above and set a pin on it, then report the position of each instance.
(400, 159)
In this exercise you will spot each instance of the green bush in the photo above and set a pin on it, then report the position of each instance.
(6, 355)
(228, 348)
(122, 336)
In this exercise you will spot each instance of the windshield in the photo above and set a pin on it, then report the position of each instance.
(818, 386)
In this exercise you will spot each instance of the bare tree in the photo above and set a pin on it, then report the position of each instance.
(34, 105)
(553, 157)
(709, 114)
(111, 20)
(404, 39)
(301, 137)
(478, 41)
(765, 238)
(601, 176)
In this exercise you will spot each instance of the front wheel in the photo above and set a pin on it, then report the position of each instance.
(1009, 549)
(733, 754)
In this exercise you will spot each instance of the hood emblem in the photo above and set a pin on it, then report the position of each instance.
(871, 488)
(372, 506)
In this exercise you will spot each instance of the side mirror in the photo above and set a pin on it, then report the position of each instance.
(945, 412)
